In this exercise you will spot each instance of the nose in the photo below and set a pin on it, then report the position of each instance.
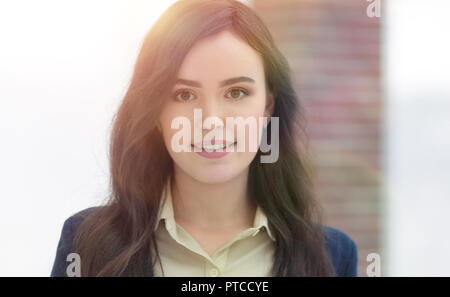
(212, 108)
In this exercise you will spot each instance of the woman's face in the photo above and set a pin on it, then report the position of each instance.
(204, 83)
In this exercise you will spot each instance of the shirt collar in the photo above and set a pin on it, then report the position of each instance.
(166, 212)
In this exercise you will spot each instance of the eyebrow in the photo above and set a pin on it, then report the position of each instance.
(230, 81)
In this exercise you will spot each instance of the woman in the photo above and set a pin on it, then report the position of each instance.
(206, 211)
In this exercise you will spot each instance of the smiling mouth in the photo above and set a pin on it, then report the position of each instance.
(213, 147)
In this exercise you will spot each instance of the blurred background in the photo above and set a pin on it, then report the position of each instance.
(372, 75)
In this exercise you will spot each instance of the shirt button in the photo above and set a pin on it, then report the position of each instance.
(214, 272)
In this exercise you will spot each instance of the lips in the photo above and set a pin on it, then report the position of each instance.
(213, 145)
(214, 149)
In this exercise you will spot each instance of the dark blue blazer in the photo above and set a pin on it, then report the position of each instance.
(339, 246)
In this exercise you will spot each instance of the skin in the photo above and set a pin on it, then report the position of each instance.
(210, 195)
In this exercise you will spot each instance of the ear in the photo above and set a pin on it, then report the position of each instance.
(270, 105)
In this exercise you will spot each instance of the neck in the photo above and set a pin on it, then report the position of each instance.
(221, 206)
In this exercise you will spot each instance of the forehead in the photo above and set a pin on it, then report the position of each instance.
(221, 56)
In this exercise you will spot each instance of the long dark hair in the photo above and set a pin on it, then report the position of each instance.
(117, 239)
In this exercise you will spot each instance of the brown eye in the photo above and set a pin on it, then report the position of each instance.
(236, 93)
(184, 96)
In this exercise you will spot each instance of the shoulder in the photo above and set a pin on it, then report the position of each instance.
(65, 244)
(71, 223)
(75, 219)
(342, 250)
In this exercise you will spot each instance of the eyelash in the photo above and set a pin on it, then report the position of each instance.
(175, 95)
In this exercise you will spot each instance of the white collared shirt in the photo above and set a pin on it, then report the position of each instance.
(250, 253)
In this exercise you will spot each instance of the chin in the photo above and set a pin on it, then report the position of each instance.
(215, 174)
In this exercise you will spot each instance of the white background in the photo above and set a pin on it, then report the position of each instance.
(417, 146)
(64, 67)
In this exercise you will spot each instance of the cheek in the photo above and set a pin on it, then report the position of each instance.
(255, 112)
(166, 131)
(166, 118)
